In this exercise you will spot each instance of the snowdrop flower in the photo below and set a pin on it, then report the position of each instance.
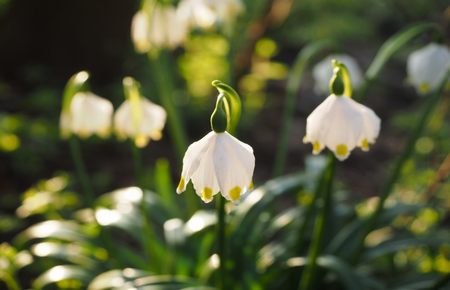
(428, 66)
(226, 11)
(196, 13)
(157, 26)
(142, 123)
(341, 124)
(88, 114)
(140, 32)
(218, 162)
(322, 72)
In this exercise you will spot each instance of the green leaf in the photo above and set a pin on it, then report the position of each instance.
(62, 273)
(346, 274)
(62, 230)
(164, 186)
(399, 244)
(344, 241)
(116, 279)
(72, 253)
(394, 44)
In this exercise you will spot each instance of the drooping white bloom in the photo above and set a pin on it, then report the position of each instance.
(157, 26)
(226, 11)
(88, 114)
(322, 72)
(140, 32)
(428, 66)
(142, 123)
(218, 162)
(196, 13)
(341, 124)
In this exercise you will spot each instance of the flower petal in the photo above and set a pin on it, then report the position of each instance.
(234, 164)
(192, 158)
(204, 177)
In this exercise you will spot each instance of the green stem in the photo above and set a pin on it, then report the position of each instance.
(293, 84)
(408, 150)
(221, 248)
(137, 163)
(165, 87)
(80, 168)
(310, 211)
(11, 282)
(146, 222)
(308, 275)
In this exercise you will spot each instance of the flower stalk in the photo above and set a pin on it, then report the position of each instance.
(80, 168)
(309, 274)
(221, 243)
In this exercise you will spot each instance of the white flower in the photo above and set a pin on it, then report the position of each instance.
(218, 162)
(140, 32)
(428, 66)
(196, 13)
(226, 11)
(141, 124)
(88, 114)
(341, 124)
(322, 72)
(158, 27)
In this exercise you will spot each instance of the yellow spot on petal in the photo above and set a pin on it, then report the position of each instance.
(250, 186)
(424, 88)
(104, 133)
(365, 144)
(235, 193)
(316, 147)
(207, 194)
(141, 141)
(341, 150)
(181, 185)
(84, 134)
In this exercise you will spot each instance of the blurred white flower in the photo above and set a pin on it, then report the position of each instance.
(142, 123)
(157, 26)
(226, 11)
(88, 114)
(140, 32)
(196, 13)
(218, 162)
(428, 66)
(341, 124)
(322, 72)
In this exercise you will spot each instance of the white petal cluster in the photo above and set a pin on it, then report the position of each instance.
(218, 162)
(88, 114)
(428, 66)
(196, 14)
(226, 11)
(144, 123)
(322, 72)
(341, 124)
(206, 13)
(157, 27)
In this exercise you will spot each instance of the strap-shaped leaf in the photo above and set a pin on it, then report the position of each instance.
(62, 273)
